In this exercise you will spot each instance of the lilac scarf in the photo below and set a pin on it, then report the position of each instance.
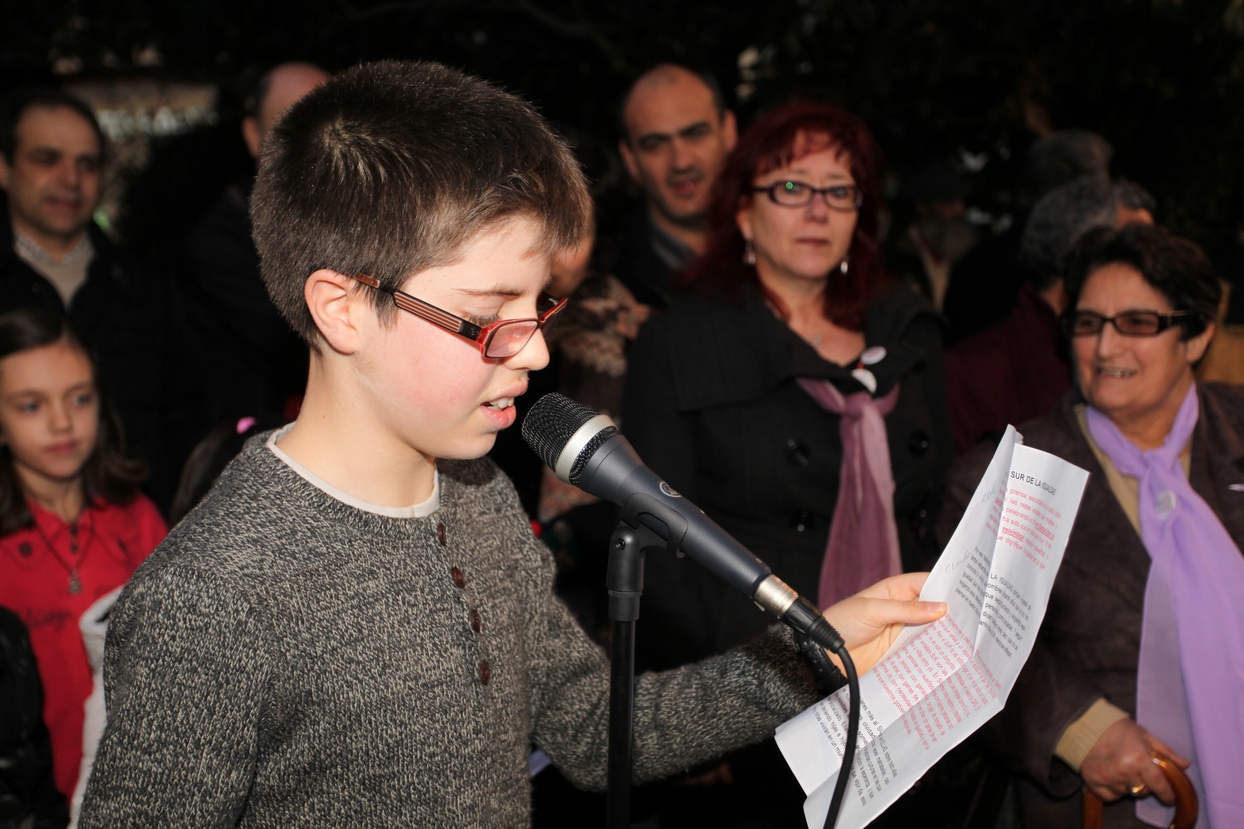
(1190, 683)
(863, 540)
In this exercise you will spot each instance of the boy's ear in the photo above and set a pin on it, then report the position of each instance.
(340, 312)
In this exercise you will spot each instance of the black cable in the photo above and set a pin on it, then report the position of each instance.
(812, 633)
(853, 734)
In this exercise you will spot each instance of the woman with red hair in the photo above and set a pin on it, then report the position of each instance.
(793, 391)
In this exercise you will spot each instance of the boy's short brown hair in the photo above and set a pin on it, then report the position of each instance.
(391, 168)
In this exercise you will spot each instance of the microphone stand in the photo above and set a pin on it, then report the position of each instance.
(569, 445)
(625, 583)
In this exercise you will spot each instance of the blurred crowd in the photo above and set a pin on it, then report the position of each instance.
(821, 362)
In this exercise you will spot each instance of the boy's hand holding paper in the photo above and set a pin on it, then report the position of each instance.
(940, 682)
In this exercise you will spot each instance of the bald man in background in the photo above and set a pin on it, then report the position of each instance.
(676, 134)
(252, 362)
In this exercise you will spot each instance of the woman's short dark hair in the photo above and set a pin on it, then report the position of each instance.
(774, 140)
(108, 475)
(1171, 264)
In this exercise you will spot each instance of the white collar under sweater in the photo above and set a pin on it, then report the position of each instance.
(421, 510)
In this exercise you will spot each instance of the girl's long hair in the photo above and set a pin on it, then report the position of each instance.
(108, 474)
(774, 140)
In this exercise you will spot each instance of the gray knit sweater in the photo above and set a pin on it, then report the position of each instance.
(286, 659)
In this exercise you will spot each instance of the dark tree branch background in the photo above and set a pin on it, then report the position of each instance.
(1163, 80)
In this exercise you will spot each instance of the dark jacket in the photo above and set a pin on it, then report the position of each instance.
(1089, 644)
(28, 795)
(712, 405)
(252, 360)
(1012, 372)
(133, 320)
(984, 284)
(641, 269)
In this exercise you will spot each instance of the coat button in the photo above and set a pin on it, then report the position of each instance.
(802, 521)
(476, 621)
(485, 672)
(24, 549)
(73, 546)
(440, 534)
(459, 579)
(798, 453)
(918, 443)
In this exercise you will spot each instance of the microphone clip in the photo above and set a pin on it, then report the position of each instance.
(625, 578)
(641, 504)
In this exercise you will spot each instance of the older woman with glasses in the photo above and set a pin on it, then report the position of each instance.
(1142, 649)
(793, 391)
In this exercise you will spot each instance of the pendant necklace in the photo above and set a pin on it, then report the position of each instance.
(75, 584)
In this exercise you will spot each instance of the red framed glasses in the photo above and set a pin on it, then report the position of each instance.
(790, 193)
(497, 341)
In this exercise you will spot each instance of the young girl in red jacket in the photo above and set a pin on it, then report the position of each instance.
(73, 526)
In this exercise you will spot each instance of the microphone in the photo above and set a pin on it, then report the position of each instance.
(586, 450)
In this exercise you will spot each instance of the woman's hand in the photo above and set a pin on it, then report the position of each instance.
(870, 620)
(1121, 761)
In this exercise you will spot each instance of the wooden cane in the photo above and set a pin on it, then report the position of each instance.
(1186, 806)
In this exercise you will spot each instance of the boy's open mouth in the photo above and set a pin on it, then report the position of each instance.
(500, 403)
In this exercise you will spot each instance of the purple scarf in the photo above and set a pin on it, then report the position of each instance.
(863, 540)
(1190, 683)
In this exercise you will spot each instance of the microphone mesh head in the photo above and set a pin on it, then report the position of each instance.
(552, 421)
(586, 453)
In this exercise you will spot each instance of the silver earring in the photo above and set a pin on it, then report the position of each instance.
(749, 253)
(843, 267)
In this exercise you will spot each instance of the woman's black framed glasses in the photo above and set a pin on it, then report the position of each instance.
(1128, 323)
(844, 197)
(497, 341)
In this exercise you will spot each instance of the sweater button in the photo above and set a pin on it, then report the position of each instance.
(440, 534)
(476, 621)
(458, 577)
(485, 672)
(24, 550)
